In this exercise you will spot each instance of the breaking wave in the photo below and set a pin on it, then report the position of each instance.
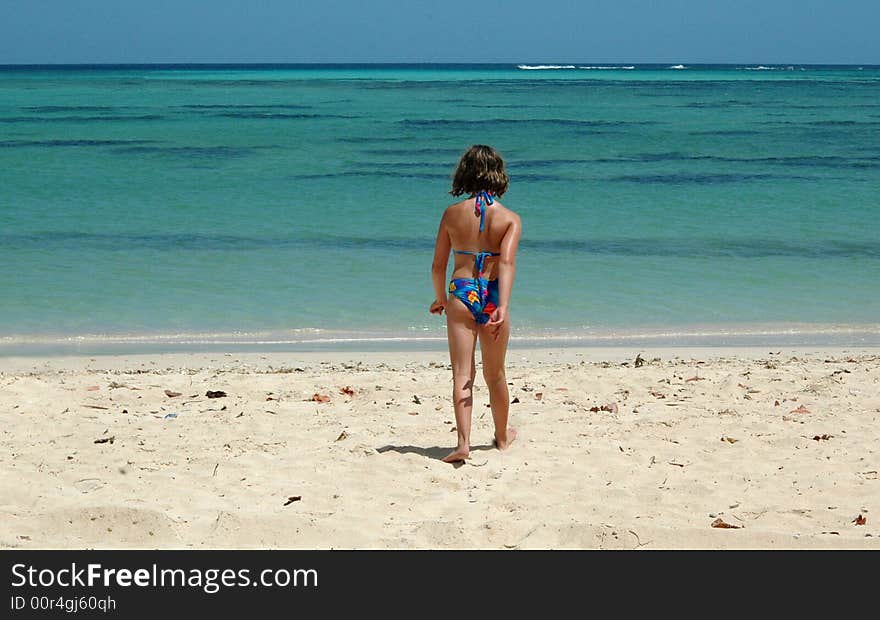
(538, 67)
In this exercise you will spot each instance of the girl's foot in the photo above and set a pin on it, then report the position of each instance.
(457, 456)
(505, 444)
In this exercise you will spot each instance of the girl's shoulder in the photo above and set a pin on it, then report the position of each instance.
(506, 212)
(457, 209)
(461, 204)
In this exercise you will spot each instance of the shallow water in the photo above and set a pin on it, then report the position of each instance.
(276, 204)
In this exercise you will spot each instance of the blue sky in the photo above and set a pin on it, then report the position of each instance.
(739, 31)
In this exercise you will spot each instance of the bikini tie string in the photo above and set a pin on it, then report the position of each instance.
(480, 281)
(483, 198)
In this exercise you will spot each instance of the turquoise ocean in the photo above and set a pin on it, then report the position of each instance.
(155, 207)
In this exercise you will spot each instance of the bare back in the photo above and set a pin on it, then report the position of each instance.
(464, 234)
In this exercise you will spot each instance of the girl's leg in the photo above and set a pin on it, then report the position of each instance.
(461, 330)
(494, 352)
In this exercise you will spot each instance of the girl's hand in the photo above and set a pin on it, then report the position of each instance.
(437, 307)
(497, 320)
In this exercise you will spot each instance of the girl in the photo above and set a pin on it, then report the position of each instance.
(483, 236)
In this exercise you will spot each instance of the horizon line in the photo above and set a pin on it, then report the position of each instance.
(428, 63)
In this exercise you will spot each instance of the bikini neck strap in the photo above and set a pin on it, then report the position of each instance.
(481, 201)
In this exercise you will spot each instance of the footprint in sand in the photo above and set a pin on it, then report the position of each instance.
(88, 484)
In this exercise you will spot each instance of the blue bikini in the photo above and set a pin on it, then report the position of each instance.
(479, 294)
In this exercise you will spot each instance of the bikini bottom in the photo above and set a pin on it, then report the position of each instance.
(478, 294)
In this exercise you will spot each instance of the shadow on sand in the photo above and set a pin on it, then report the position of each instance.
(436, 453)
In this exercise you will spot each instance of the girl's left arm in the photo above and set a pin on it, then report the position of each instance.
(442, 248)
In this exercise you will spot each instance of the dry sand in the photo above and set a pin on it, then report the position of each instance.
(781, 442)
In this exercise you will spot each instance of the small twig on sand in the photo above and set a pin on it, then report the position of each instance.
(639, 542)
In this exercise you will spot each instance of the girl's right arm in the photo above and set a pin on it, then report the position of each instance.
(506, 272)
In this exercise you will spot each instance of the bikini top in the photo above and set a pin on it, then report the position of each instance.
(482, 200)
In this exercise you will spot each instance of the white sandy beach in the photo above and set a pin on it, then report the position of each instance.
(780, 442)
